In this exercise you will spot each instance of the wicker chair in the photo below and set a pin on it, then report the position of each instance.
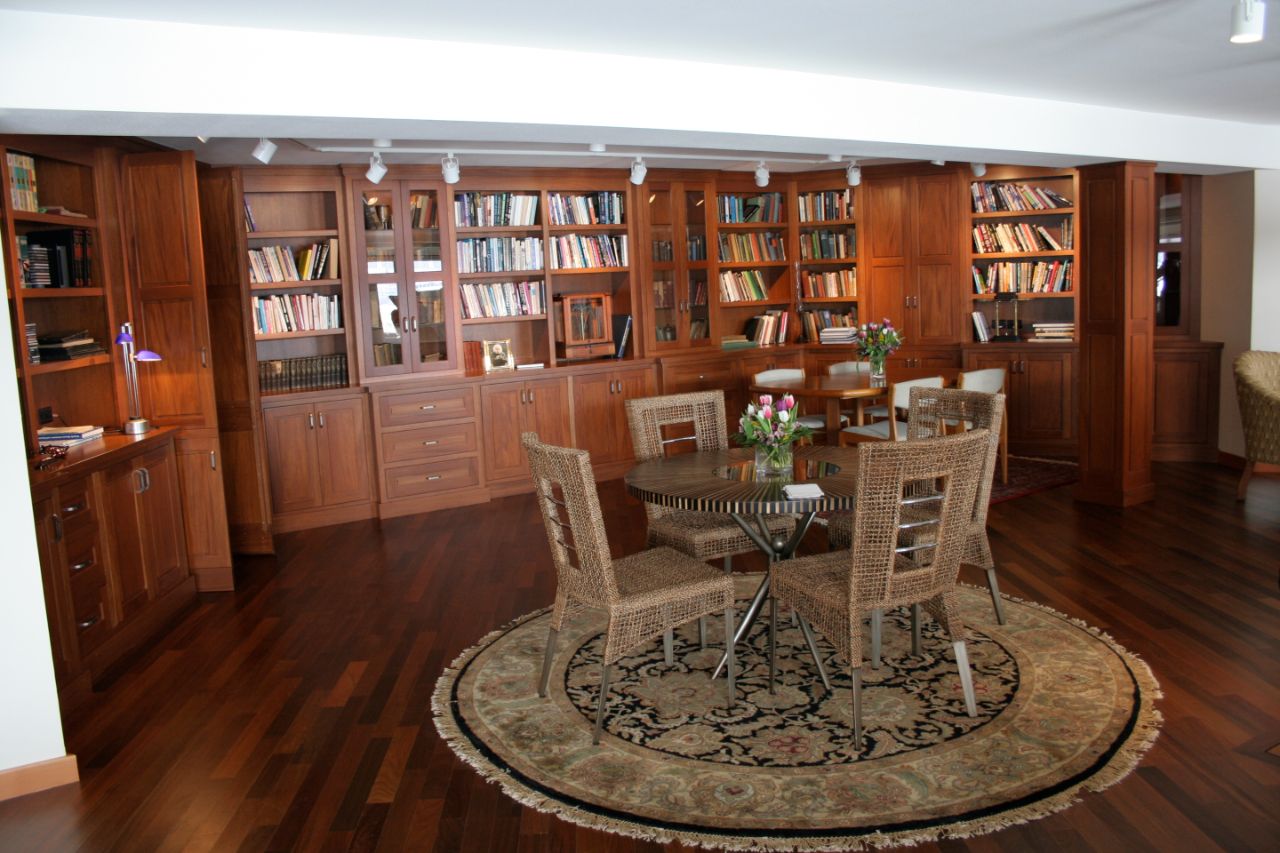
(837, 590)
(892, 429)
(931, 413)
(990, 380)
(1258, 390)
(644, 594)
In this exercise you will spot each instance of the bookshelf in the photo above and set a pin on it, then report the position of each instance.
(826, 257)
(1023, 241)
(678, 265)
(752, 262)
(57, 283)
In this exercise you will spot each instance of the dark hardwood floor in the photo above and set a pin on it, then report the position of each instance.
(295, 713)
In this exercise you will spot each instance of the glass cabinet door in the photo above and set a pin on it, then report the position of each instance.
(695, 296)
(385, 316)
(666, 305)
(431, 317)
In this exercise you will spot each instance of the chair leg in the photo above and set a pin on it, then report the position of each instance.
(1004, 450)
(604, 695)
(552, 636)
(728, 564)
(1244, 480)
(729, 660)
(994, 586)
(773, 642)
(702, 632)
(876, 618)
(915, 629)
(813, 650)
(856, 672)
(669, 646)
(966, 677)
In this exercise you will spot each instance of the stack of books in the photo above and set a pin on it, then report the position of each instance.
(1053, 331)
(837, 335)
(33, 344)
(67, 344)
(736, 342)
(67, 436)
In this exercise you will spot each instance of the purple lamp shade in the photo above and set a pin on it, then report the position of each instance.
(124, 338)
(146, 355)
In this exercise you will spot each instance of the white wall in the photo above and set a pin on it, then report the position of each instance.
(1265, 333)
(30, 724)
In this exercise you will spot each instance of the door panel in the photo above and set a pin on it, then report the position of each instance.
(548, 411)
(594, 415)
(503, 409)
(291, 454)
(343, 451)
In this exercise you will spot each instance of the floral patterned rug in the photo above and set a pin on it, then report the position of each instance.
(1061, 709)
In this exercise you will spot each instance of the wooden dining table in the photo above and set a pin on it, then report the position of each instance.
(836, 390)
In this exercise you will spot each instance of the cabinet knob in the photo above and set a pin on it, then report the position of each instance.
(427, 408)
(213, 459)
(81, 566)
(73, 508)
(431, 477)
(702, 376)
(89, 623)
(57, 527)
(530, 395)
(321, 420)
(311, 420)
(204, 356)
(431, 443)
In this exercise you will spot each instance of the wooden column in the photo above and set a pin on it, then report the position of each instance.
(1117, 328)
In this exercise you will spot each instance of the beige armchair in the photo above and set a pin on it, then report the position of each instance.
(1258, 390)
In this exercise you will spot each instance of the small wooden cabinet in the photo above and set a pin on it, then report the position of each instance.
(1039, 391)
(511, 408)
(318, 452)
(600, 414)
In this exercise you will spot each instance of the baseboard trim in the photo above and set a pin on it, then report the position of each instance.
(1230, 460)
(40, 776)
(215, 579)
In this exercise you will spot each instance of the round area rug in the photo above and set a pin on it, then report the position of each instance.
(1061, 709)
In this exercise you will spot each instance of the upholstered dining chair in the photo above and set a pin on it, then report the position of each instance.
(847, 368)
(817, 423)
(915, 501)
(933, 412)
(645, 594)
(1258, 391)
(890, 429)
(990, 380)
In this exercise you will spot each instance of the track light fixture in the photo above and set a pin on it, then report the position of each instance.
(449, 166)
(853, 174)
(264, 150)
(1248, 21)
(377, 169)
(638, 171)
(596, 148)
(382, 142)
(938, 162)
(202, 139)
(979, 169)
(762, 175)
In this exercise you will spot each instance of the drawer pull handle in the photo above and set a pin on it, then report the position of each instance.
(81, 566)
(431, 477)
(73, 508)
(428, 407)
(432, 443)
(702, 376)
(88, 623)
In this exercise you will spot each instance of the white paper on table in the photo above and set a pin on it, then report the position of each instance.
(802, 491)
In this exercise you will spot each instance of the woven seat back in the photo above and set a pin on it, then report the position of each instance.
(648, 416)
(932, 410)
(575, 525)
(1258, 390)
(888, 473)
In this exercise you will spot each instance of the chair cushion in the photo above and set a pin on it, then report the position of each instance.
(707, 535)
(879, 429)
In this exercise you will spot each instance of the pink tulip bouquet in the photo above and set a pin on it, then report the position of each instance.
(771, 428)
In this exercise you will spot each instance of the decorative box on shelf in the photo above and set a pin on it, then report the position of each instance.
(584, 328)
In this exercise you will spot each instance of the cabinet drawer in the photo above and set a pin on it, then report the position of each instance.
(76, 508)
(88, 607)
(427, 478)
(429, 442)
(83, 555)
(418, 407)
(680, 378)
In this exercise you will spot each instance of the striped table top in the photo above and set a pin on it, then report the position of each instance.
(706, 482)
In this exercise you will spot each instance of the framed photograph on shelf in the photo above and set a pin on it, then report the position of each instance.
(497, 356)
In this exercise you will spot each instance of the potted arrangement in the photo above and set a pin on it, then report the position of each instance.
(877, 341)
(771, 428)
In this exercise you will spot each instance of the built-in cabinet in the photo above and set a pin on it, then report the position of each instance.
(599, 410)
(1040, 387)
(511, 408)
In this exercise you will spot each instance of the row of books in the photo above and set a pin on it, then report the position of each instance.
(61, 257)
(664, 294)
(825, 206)
(663, 250)
(22, 181)
(829, 284)
(33, 344)
(1053, 331)
(422, 211)
(502, 299)
(66, 345)
(766, 207)
(741, 247)
(837, 335)
(67, 436)
(1020, 237)
(992, 197)
(736, 342)
(697, 245)
(1023, 277)
(580, 252)
(742, 286)
(602, 208)
(250, 224)
(499, 254)
(768, 328)
(813, 322)
(283, 313)
(310, 373)
(495, 209)
(827, 244)
(269, 264)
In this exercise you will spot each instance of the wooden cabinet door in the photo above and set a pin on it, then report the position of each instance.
(162, 223)
(53, 572)
(503, 408)
(160, 516)
(130, 584)
(342, 451)
(547, 412)
(885, 251)
(632, 384)
(595, 405)
(1046, 384)
(291, 454)
(935, 287)
(205, 508)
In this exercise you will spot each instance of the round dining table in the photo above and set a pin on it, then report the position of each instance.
(727, 481)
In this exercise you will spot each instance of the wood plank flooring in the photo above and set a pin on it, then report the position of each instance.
(295, 713)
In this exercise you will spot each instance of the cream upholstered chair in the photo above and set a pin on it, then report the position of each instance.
(645, 594)
(990, 380)
(933, 412)
(915, 501)
(1258, 390)
(847, 368)
(817, 423)
(891, 429)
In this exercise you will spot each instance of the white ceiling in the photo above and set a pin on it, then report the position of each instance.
(1169, 57)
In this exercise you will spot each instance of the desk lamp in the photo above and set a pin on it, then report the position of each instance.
(137, 424)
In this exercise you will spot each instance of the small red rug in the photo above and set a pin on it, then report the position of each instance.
(1028, 475)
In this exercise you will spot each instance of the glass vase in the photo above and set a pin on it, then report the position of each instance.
(774, 460)
(877, 365)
